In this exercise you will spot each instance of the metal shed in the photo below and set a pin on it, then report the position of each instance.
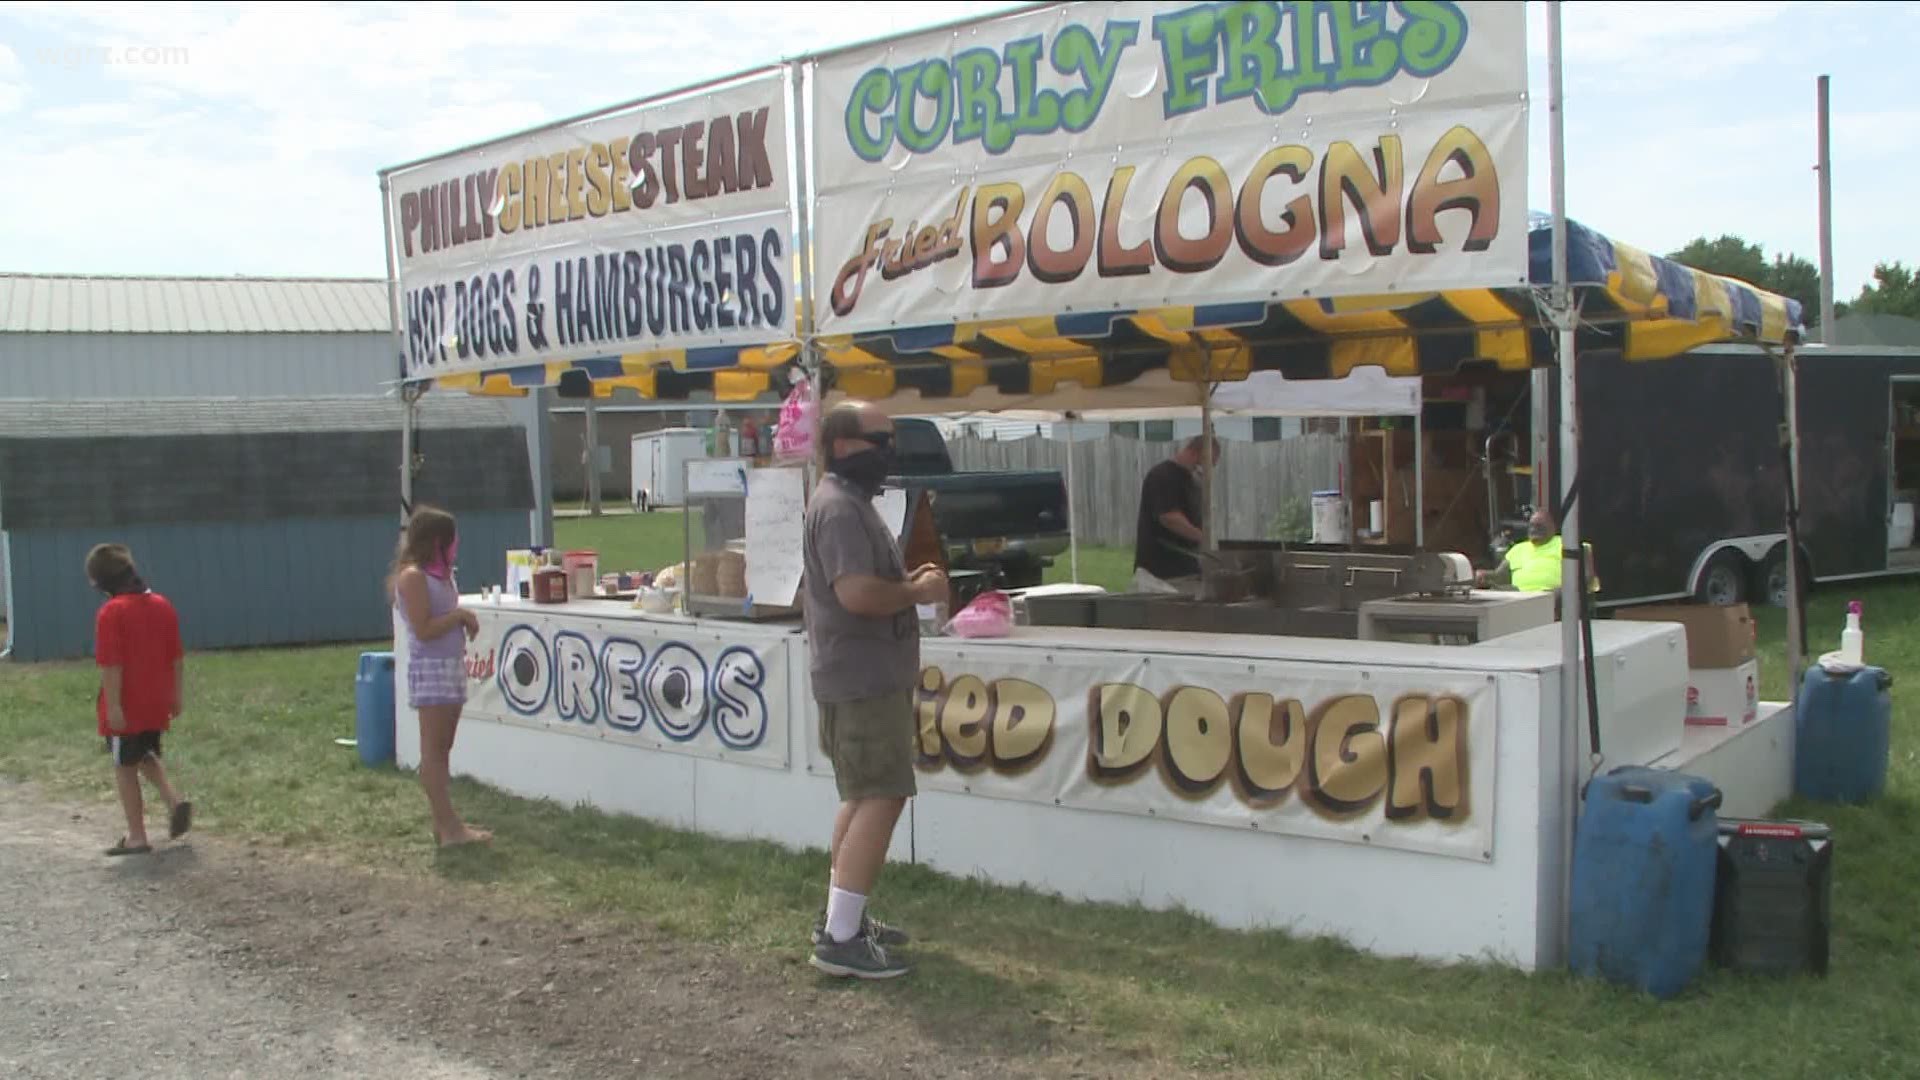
(267, 522)
(66, 338)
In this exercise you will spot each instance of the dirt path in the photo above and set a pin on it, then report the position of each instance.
(211, 959)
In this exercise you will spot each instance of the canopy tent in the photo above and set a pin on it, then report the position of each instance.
(1367, 391)
(1644, 305)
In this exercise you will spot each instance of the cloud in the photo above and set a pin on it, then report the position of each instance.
(256, 148)
(13, 81)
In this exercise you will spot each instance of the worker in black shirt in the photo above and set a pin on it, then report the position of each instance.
(1169, 528)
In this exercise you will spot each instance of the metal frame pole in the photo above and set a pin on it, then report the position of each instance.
(1825, 169)
(1073, 532)
(810, 360)
(1796, 613)
(1419, 477)
(539, 422)
(400, 355)
(592, 425)
(1207, 463)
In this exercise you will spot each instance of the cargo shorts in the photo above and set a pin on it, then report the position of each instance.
(870, 743)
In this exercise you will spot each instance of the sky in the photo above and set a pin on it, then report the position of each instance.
(243, 138)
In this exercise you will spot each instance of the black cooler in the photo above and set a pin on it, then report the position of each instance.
(1772, 909)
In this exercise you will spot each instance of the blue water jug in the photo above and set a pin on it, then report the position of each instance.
(1643, 872)
(1840, 729)
(373, 708)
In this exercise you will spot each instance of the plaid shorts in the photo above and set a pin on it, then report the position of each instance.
(435, 680)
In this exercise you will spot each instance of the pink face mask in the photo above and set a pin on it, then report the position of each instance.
(443, 567)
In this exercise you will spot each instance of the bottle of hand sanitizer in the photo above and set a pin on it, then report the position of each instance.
(1852, 640)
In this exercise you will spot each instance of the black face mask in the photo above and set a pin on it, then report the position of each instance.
(866, 470)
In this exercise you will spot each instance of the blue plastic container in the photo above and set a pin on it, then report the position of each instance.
(1841, 727)
(1643, 871)
(373, 708)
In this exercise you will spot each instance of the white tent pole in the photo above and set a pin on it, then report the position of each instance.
(1346, 481)
(1073, 518)
(1561, 304)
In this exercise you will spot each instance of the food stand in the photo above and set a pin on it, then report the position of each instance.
(1412, 799)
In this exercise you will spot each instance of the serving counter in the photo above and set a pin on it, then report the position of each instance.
(1406, 798)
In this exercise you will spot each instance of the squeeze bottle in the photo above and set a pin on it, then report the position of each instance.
(1852, 640)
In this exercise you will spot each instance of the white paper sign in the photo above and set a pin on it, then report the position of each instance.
(776, 530)
(717, 476)
(892, 504)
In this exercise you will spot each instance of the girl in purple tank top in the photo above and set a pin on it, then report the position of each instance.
(437, 629)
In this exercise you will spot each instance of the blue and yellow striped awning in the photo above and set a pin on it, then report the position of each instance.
(1645, 306)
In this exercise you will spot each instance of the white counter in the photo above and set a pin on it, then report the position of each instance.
(1406, 798)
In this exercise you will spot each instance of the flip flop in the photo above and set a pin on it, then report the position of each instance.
(123, 848)
(181, 821)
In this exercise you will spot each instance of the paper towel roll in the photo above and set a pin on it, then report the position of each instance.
(1377, 517)
(1459, 569)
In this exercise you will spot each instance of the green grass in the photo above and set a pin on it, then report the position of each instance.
(1111, 568)
(256, 750)
(652, 541)
(628, 541)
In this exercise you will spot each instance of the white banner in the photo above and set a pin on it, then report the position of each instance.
(663, 226)
(1398, 758)
(683, 688)
(1099, 156)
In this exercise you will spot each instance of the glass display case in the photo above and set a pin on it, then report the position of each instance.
(716, 527)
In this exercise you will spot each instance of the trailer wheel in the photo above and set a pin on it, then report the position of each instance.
(1771, 582)
(1724, 582)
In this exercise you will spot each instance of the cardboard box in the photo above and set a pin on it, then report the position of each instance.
(1717, 637)
(1724, 697)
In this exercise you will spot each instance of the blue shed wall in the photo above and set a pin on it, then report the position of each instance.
(237, 584)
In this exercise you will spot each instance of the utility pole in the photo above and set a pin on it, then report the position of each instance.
(1825, 169)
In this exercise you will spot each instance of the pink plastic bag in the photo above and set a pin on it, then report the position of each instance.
(990, 615)
(793, 437)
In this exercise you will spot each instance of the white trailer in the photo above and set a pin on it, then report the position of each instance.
(659, 460)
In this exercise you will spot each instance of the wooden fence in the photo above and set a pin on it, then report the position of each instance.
(1257, 484)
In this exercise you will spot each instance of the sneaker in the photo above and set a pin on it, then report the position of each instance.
(860, 958)
(890, 936)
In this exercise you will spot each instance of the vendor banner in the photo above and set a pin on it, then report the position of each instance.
(680, 688)
(1093, 157)
(1391, 757)
(659, 227)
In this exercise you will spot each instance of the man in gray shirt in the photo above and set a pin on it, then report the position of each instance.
(863, 634)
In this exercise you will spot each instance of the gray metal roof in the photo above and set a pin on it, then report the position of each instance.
(234, 416)
(59, 304)
(1869, 328)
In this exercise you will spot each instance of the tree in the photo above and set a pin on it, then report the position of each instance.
(1788, 275)
(1729, 256)
(1796, 279)
(1895, 291)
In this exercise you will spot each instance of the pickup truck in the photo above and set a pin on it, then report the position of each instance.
(1008, 525)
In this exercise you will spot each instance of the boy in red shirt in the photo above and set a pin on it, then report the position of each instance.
(136, 642)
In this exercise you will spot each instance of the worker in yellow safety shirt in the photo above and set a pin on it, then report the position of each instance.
(1535, 564)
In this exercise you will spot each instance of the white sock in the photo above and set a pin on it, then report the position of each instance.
(843, 914)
